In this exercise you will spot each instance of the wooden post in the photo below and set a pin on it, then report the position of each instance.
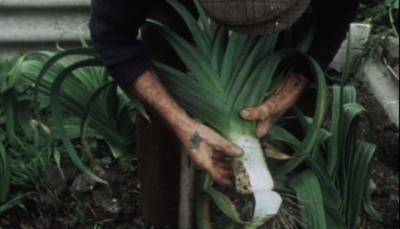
(186, 193)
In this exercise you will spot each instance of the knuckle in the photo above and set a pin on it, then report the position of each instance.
(272, 106)
(266, 110)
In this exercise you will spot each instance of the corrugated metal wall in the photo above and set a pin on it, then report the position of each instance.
(38, 24)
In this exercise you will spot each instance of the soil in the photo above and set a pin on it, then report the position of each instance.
(78, 203)
(386, 165)
(81, 204)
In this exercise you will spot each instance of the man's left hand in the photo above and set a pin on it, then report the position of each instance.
(277, 104)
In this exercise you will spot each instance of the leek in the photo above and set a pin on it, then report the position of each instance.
(228, 72)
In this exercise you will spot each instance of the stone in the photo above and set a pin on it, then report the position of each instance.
(105, 201)
(82, 184)
(372, 186)
(360, 33)
(384, 86)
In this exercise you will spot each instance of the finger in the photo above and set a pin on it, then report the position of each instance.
(224, 164)
(217, 176)
(230, 149)
(221, 179)
(226, 172)
(221, 156)
(252, 114)
(263, 128)
(223, 161)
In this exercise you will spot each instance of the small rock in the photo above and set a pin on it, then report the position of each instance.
(360, 33)
(372, 186)
(104, 201)
(82, 184)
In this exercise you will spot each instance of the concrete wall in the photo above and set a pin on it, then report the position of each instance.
(38, 24)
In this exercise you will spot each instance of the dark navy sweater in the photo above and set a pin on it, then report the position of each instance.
(114, 28)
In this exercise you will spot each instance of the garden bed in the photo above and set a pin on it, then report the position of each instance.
(60, 196)
(386, 169)
(82, 205)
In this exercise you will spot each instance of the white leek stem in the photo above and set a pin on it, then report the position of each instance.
(253, 177)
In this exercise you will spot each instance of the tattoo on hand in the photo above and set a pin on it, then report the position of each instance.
(196, 140)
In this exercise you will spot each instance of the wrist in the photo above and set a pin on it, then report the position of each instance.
(184, 127)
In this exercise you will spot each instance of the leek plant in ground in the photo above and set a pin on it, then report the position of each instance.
(228, 72)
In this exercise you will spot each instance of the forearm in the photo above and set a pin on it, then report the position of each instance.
(151, 91)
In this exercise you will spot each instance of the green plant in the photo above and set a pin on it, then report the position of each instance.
(93, 108)
(383, 15)
(4, 174)
(384, 18)
(393, 10)
(229, 72)
(83, 102)
(329, 171)
(24, 150)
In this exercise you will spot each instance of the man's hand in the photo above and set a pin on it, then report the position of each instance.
(210, 151)
(277, 104)
(205, 147)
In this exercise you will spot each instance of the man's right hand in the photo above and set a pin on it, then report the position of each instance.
(209, 151)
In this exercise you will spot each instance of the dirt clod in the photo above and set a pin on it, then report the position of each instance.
(82, 184)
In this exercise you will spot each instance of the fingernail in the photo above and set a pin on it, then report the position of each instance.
(245, 113)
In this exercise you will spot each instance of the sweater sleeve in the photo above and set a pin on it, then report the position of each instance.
(114, 27)
(333, 23)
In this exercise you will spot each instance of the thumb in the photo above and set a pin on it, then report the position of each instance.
(251, 114)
